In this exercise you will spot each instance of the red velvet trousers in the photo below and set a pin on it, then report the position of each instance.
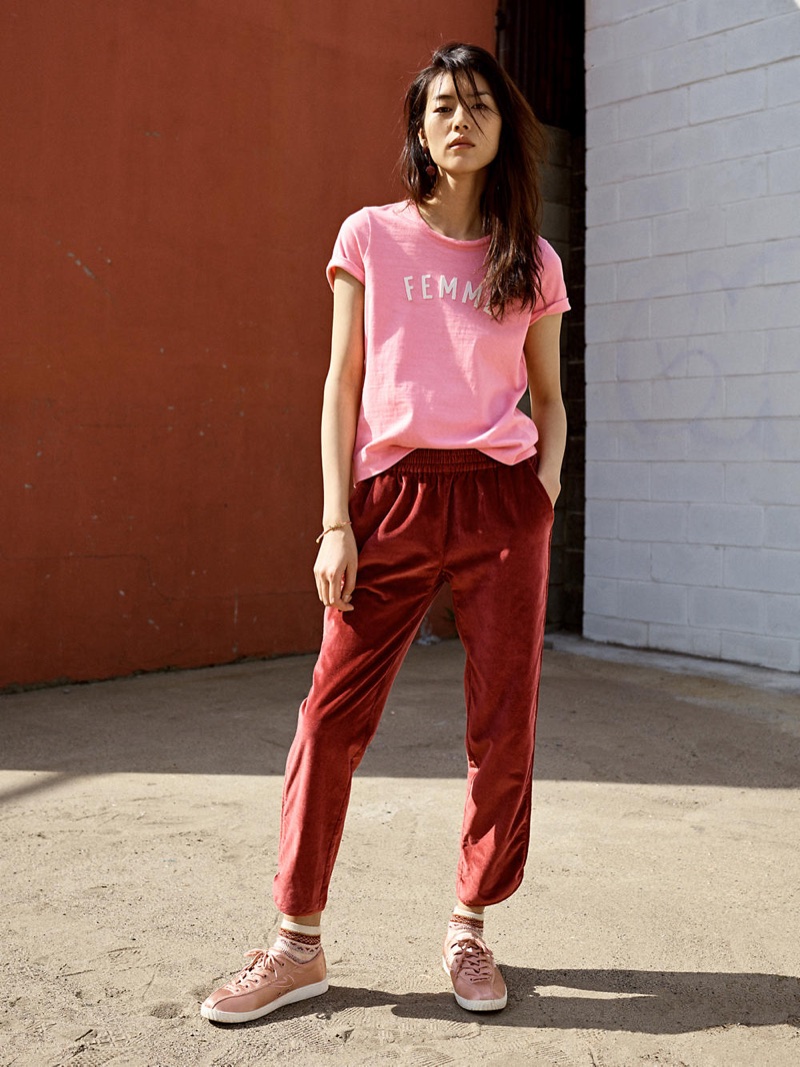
(484, 527)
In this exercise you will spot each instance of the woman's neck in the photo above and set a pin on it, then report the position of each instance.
(454, 210)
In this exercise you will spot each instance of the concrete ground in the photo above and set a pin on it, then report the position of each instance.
(658, 923)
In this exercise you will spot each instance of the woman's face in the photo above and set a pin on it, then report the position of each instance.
(461, 139)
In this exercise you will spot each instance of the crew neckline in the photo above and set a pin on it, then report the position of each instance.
(473, 242)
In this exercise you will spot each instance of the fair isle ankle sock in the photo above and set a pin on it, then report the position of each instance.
(300, 943)
(464, 922)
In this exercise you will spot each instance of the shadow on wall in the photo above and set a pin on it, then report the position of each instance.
(599, 721)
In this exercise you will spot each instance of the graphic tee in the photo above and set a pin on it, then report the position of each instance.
(439, 371)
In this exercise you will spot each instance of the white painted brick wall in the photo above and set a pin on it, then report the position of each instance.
(727, 609)
(604, 479)
(783, 83)
(729, 524)
(784, 171)
(617, 162)
(706, 16)
(761, 131)
(685, 148)
(686, 481)
(765, 42)
(697, 642)
(693, 327)
(780, 528)
(625, 79)
(734, 94)
(660, 195)
(601, 284)
(604, 440)
(683, 231)
(695, 565)
(685, 62)
(634, 33)
(664, 274)
(783, 616)
(782, 349)
(727, 182)
(655, 112)
(623, 240)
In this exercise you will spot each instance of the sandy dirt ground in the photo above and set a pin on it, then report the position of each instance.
(658, 923)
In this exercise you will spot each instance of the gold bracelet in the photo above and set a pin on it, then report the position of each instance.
(330, 529)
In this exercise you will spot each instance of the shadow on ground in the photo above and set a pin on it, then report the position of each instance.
(650, 1002)
(667, 728)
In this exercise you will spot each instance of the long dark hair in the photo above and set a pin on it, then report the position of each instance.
(511, 203)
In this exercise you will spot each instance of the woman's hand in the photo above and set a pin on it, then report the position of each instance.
(337, 559)
(547, 407)
(336, 567)
(552, 485)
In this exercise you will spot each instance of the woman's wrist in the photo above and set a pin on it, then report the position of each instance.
(548, 468)
(335, 519)
(552, 476)
(333, 527)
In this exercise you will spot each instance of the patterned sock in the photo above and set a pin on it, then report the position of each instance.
(300, 943)
(465, 923)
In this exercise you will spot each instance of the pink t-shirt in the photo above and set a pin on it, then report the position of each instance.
(439, 371)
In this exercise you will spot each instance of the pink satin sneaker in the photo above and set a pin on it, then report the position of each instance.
(477, 982)
(270, 980)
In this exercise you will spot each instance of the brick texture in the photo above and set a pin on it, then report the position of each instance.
(693, 328)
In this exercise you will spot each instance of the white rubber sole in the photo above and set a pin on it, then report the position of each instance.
(292, 997)
(476, 1005)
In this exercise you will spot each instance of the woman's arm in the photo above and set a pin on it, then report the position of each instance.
(337, 560)
(543, 360)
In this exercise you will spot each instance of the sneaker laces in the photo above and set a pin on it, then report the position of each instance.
(472, 958)
(262, 964)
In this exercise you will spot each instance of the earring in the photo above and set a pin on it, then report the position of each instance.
(431, 170)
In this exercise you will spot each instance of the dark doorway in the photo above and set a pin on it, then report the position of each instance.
(540, 44)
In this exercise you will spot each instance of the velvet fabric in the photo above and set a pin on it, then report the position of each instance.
(436, 516)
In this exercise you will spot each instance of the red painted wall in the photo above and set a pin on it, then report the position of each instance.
(175, 174)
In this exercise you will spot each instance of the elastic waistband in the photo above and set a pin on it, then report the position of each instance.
(445, 460)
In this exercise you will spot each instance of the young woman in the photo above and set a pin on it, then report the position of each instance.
(446, 307)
